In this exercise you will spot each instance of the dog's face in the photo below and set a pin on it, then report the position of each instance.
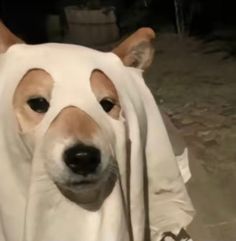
(77, 156)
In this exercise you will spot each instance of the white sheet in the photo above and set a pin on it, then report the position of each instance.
(34, 210)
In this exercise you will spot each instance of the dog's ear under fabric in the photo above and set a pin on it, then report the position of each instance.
(7, 38)
(137, 50)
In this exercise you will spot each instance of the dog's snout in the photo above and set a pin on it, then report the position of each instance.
(82, 159)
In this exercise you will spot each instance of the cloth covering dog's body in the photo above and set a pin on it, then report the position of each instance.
(149, 192)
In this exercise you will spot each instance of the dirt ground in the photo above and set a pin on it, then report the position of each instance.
(197, 87)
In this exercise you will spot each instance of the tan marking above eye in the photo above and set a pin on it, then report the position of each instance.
(35, 83)
(103, 88)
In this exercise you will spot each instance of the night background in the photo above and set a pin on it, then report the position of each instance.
(29, 19)
(193, 78)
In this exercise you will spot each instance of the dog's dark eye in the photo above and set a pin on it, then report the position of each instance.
(107, 104)
(38, 104)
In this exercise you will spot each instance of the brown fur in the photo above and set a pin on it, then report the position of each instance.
(102, 87)
(73, 122)
(7, 38)
(35, 82)
(137, 50)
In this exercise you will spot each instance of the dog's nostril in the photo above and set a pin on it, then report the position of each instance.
(82, 159)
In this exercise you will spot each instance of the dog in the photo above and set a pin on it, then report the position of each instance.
(77, 146)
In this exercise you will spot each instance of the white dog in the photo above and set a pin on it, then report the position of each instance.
(84, 152)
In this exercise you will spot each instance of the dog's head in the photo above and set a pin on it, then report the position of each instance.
(76, 148)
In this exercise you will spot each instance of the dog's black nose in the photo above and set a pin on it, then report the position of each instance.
(82, 159)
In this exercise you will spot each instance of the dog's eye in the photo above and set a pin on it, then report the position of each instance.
(38, 104)
(107, 104)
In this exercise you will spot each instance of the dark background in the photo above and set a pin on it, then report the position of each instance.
(201, 17)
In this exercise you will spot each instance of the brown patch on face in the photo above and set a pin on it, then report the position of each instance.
(104, 89)
(75, 123)
(35, 83)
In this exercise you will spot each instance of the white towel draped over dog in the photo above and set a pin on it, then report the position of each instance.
(31, 206)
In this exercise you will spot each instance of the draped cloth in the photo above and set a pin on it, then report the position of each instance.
(150, 191)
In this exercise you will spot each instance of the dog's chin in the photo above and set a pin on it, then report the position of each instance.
(82, 193)
(88, 194)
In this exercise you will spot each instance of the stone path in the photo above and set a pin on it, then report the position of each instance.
(197, 87)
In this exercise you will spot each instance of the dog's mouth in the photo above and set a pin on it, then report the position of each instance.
(89, 192)
(86, 183)
(78, 185)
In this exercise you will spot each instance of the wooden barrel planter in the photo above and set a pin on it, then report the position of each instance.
(91, 27)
